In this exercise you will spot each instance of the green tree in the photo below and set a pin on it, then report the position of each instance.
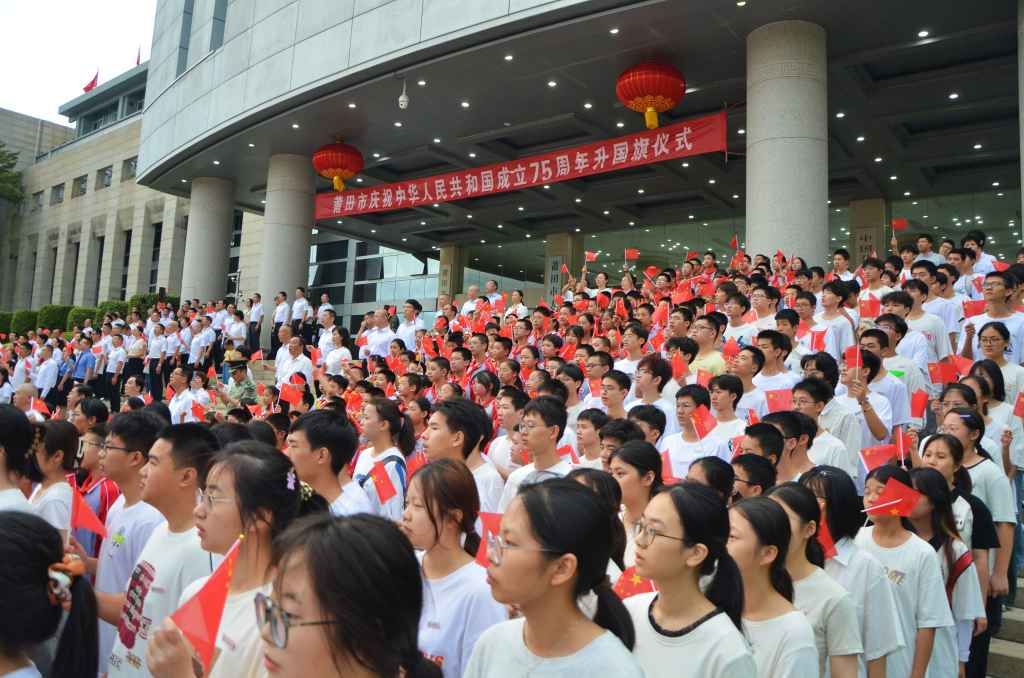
(10, 181)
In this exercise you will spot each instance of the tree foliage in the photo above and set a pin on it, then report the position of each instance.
(10, 180)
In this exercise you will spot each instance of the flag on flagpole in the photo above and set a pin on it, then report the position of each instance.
(631, 584)
(82, 515)
(91, 85)
(199, 618)
(382, 481)
(491, 523)
(138, 56)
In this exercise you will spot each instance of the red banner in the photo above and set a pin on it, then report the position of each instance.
(688, 137)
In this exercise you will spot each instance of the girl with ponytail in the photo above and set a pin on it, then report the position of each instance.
(555, 541)
(251, 493)
(682, 631)
(913, 571)
(440, 514)
(391, 439)
(636, 466)
(782, 638)
(827, 605)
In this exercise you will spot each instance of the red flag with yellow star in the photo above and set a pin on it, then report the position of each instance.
(631, 584)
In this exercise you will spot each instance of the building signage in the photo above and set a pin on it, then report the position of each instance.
(682, 139)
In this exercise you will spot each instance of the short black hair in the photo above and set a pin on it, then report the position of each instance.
(597, 418)
(463, 416)
(819, 390)
(192, 446)
(650, 415)
(324, 428)
(138, 429)
(759, 470)
(622, 430)
(551, 410)
(770, 440)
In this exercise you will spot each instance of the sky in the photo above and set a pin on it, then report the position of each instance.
(52, 48)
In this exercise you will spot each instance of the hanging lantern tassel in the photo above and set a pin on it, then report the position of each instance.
(651, 88)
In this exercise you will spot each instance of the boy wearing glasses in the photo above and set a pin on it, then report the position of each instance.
(705, 332)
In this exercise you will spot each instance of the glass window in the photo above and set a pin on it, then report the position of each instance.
(79, 185)
(220, 9)
(390, 265)
(104, 177)
(37, 201)
(401, 290)
(430, 289)
(57, 194)
(366, 248)
(327, 274)
(386, 290)
(369, 269)
(134, 102)
(335, 294)
(364, 293)
(329, 251)
(409, 264)
(128, 168)
(417, 287)
(433, 266)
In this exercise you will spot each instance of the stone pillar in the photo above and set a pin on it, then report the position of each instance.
(451, 269)
(172, 245)
(140, 258)
(287, 228)
(25, 277)
(867, 226)
(112, 261)
(7, 272)
(208, 239)
(787, 140)
(89, 262)
(64, 268)
(561, 248)
(42, 286)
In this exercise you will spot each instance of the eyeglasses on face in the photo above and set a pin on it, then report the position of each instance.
(644, 535)
(496, 547)
(270, 614)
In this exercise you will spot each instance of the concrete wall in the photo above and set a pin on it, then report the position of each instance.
(105, 212)
(30, 136)
(274, 50)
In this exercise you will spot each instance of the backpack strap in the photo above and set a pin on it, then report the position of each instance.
(961, 564)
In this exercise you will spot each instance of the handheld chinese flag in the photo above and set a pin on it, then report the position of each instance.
(568, 454)
(382, 482)
(873, 457)
(595, 387)
(567, 352)
(290, 393)
(973, 308)
(415, 462)
(261, 389)
(590, 256)
(667, 476)
(828, 544)
(752, 417)
(802, 328)
(660, 316)
(39, 405)
(734, 243)
(199, 618)
(703, 421)
(620, 309)
(679, 367)
(258, 355)
(942, 373)
(869, 307)
(314, 355)
(963, 365)
(198, 411)
(818, 339)
(779, 401)
(1000, 265)
(731, 349)
(148, 399)
(491, 523)
(704, 377)
(564, 269)
(212, 372)
(918, 402)
(900, 224)
(895, 500)
(631, 584)
(736, 445)
(82, 516)
(631, 254)
(91, 85)
(255, 410)
(852, 357)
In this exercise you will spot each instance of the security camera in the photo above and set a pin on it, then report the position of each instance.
(403, 98)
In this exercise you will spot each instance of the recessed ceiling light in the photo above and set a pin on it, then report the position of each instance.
(436, 204)
(640, 191)
(587, 105)
(437, 140)
(923, 34)
(620, 124)
(711, 181)
(893, 177)
(691, 216)
(606, 212)
(338, 221)
(953, 96)
(500, 226)
(184, 181)
(999, 195)
(735, 196)
(423, 223)
(472, 155)
(613, 31)
(521, 208)
(977, 147)
(578, 200)
(528, 235)
(914, 203)
(632, 223)
(469, 216)
(216, 162)
(878, 158)
(577, 229)
(352, 104)
(373, 230)
(359, 180)
(741, 3)
(509, 57)
(421, 83)
(686, 164)
(840, 115)
(906, 193)
(741, 131)
(924, 216)
(263, 201)
(376, 155)
(465, 104)
(405, 239)
(552, 83)
(483, 242)
(295, 125)
(995, 184)
(398, 123)
(860, 139)
(252, 145)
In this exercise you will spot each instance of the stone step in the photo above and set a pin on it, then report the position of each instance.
(1013, 627)
(1005, 658)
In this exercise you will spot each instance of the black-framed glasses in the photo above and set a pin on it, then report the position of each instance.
(496, 548)
(270, 614)
(644, 535)
(104, 446)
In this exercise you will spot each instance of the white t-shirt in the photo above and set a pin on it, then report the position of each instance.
(500, 452)
(752, 400)
(683, 453)
(351, 501)
(776, 382)
(393, 507)
(53, 504)
(240, 649)
(128, 530)
(833, 616)
(864, 578)
(1014, 324)
(181, 404)
(456, 610)
(501, 652)
(489, 485)
(966, 607)
(1013, 381)
(827, 450)
(14, 500)
(714, 648)
(626, 365)
(935, 332)
(335, 359)
(743, 334)
(784, 646)
(516, 478)
(992, 487)
(169, 562)
(919, 588)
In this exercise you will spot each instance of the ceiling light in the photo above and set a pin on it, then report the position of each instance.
(999, 195)
(893, 177)
(686, 164)
(620, 124)
(373, 230)
(640, 191)
(906, 194)
(469, 216)
(359, 180)
(472, 155)
(925, 216)
(632, 223)
(577, 230)
(184, 181)
(860, 139)
(509, 57)
(840, 115)
(351, 104)
(578, 200)
(953, 96)
(421, 83)
(216, 162)
(405, 239)
(338, 221)
(606, 212)
(741, 131)
(711, 181)
(587, 105)
(398, 123)
(614, 31)
(465, 104)
(295, 125)
(552, 83)
(483, 242)
(977, 147)
(252, 145)
(741, 3)
(437, 140)
(376, 155)
(923, 34)
(423, 223)
(500, 226)
(528, 235)
(914, 203)
(691, 216)
(994, 183)
(263, 201)
(521, 208)
(878, 158)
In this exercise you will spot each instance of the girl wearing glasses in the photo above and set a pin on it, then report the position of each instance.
(440, 511)
(637, 468)
(825, 602)
(554, 547)
(999, 410)
(682, 631)
(782, 638)
(994, 340)
(252, 493)
(346, 601)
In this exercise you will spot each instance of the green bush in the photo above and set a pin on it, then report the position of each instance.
(23, 321)
(77, 316)
(146, 301)
(110, 307)
(53, 316)
(5, 322)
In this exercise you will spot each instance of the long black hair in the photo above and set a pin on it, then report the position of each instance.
(883, 473)
(28, 618)
(719, 473)
(705, 520)
(842, 503)
(801, 501)
(932, 485)
(961, 477)
(771, 526)
(609, 490)
(566, 517)
(990, 372)
(644, 457)
(399, 424)
(448, 486)
(365, 575)
(973, 421)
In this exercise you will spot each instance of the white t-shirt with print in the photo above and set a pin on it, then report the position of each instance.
(783, 646)
(832, 614)
(456, 610)
(240, 648)
(489, 485)
(53, 504)
(683, 453)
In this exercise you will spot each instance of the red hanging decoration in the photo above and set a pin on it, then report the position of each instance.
(338, 162)
(651, 88)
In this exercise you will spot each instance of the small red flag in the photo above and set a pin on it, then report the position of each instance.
(873, 457)
(818, 339)
(212, 372)
(963, 365)
(361, 339)
(39, 405)
(896, 500)
(973, 308)
(918, 402)
(82, 515)
(382, 481)
(255, 410)
(91, 85)
(828, 544)
(620, 309)
(595, 386)
(314, 355)
(199, 618)
(734, 243)
(631, 254)
(198, 411)
(147, 398)
(261, 389)
(567, 451)
(1000, 265)
(631, 584)
(679, 366)
(703, 421)
(869, 307)
(900, 224)
(752, 417)
(736, 444)
(1018, 407)
(942, 373)
(415, 462)
(590, 256)
(852, 357)
(568, 351)
(731, 349)
(651, 271)
(564, 269)
(779, 401)
(491, 523)
(667, 476)
(290, 393)
(704, 377)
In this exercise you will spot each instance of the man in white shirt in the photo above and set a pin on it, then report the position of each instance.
(255, 321)
(975, 240)
(969, 283)
(282, 313)
(469, 306)
(811, 397)
(928, 324)
(491, 291)
(543, 426)
(294, 361)
(116, 360)
(46, 375)
(325, 305)
(155, 359)
(195, 346)
(321, 446)
(325, 342)
(455, 432)
(773, 375)
(180, 403)
(411, 323)
(998, 291)
(925, 243)
(378, 337)
(301, 313)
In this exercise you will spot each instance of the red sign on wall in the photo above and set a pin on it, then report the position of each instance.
(682, 139)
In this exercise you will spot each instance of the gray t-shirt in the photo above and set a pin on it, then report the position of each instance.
(501, 653)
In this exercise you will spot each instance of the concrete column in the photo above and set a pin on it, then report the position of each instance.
(561, 248)
(287, 227)
(64, 268)
(112, 262)
(141, 255)
(867, 226)
(7, 272)
(25, 277)
(42, 286)
(787, 140)
(451, 269)
(172, 245)
(208, 238)
(89, 262)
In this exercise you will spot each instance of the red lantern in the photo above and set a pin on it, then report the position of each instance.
(338, 162)
(651, 88)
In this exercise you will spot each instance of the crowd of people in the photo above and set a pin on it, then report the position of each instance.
(744, 468)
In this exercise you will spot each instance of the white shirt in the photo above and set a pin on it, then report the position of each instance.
(783, 646)
(21, 372)
(469, 307)
(935, 333)
(14, 500)
(407, 332)
(833, 616)
(181, 404)
(325, 343)
(827, 450)
(46, 377)
(53, 504)
(335, 359)
(237, 331)
(501, 652)
(1014, 324)
(838, 339)
(682, 453)
(351, 501)
(516, 478)
(128, 530)
(287, 365)
(322, 310)
(256, 313)
(783, 381)
(195, 349)
(300, 309)
(489, 486)
(169, 562)
(752, 400)
(992, 487)
(966, 607)
(240, 649)
(378, 339)
(281, 312)
(456, 610)
(116, 359)
(714, 648)
(393, 507)
(157, 346)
